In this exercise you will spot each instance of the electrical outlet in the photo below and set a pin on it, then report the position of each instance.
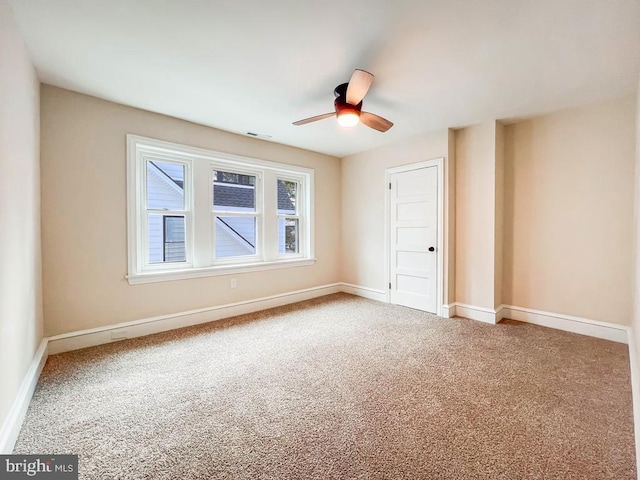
(234, 283)
(119, 335)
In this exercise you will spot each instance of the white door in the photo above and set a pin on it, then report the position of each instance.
(413, 230)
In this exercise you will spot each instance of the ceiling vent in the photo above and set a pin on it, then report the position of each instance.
(259, 135)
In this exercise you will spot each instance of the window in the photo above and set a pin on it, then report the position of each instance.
(288, 218)
(235, 212)
(193, 212)
(165, 211)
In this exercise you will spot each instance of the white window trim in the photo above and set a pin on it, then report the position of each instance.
(139, 147)
(142, 211)
(300, 198)
(258, 257)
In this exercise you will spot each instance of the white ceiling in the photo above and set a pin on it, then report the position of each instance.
(257, 65)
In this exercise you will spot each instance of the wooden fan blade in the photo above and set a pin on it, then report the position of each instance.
(358, 86)
(375, 121)
(315, 119)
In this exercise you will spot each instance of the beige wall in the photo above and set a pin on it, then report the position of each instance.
(635, 321)
(363, 195)
(450, 220)
(20, 265)
(475, 215)
(569, 212)
(84, 216)
(634, 340)
(553, 169)
(498, 259)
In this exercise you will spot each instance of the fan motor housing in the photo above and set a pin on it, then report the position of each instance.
(344, 107)
(340, 102)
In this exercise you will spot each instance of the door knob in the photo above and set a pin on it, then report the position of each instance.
(431, 249)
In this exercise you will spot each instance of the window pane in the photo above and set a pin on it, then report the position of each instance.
(287, 197)
(235, 236)
(165, 186)
(166, 236)
(234, 192)
(174, 236)
(288, 235)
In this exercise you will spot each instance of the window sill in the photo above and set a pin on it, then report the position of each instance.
(167, 276)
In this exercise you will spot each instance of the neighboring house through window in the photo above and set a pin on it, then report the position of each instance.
(236, 215)
(165, 193)
(258, 213)
(288, 218)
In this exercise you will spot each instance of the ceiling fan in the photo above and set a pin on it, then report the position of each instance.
(348, 105)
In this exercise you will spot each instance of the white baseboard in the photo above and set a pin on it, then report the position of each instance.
(449, 311)
(501, 313)
(147, 326)
(568, 323)
(481, 314)
(13, 423)
(366, 292)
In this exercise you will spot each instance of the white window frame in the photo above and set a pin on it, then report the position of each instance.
(144, 212)
(199, 215)
(300, 200)
(258, 214)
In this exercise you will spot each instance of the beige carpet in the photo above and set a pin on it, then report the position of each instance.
(340, 388)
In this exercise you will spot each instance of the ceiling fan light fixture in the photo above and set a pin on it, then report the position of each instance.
(348, 105)
(348, 117)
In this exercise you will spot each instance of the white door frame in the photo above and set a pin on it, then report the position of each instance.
(439, 163)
